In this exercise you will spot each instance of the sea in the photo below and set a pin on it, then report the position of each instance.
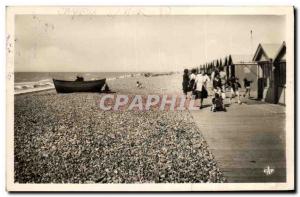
(23, 77)
(36, 81)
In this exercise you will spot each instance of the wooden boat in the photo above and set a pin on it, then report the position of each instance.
(62, 86)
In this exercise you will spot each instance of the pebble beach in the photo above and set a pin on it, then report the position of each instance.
(65, 138)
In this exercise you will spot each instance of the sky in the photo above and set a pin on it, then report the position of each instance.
(60, 43)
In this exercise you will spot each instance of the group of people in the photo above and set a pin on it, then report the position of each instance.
(198, 85)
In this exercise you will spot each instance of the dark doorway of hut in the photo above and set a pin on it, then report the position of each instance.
(280, 80)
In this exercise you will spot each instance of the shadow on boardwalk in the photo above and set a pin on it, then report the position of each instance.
(246, 140)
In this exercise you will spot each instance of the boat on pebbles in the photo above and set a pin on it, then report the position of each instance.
(63, 86)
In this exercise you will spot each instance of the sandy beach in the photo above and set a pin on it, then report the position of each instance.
(65, 138)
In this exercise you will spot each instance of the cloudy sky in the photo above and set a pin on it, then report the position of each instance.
(136, 43)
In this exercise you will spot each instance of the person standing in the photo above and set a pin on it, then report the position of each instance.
(185, 82)
(247, 85)
(234, 84)
(223, 78)
(214, 73)
(217, 100)
(201, 87)
(192, 81)
(217, 85)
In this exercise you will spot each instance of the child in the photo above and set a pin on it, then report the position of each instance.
(138, 84)
(234, 88)
(79, 78)
(217, 84)
(247, 85)
(218, 104)
(217, 100)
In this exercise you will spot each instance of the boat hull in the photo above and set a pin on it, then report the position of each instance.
(62, 86)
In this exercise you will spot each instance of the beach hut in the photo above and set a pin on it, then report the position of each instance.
(226, 67)
(208, 69)
(280, 74)
(230, 67)
(243, 67)
(217, 64)
(271, 68)
(220, 63)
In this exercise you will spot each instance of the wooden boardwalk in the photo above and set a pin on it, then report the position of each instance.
(246, 140)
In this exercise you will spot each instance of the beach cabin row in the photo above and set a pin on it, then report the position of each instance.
(240, 66)
(266, 68)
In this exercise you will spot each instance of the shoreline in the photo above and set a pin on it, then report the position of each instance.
(47, 84)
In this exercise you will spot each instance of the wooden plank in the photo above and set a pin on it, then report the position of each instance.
(245, 140)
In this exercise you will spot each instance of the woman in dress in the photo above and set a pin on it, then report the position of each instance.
(223, 78)
(185, 82)
(201, 87)
(192, 81)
